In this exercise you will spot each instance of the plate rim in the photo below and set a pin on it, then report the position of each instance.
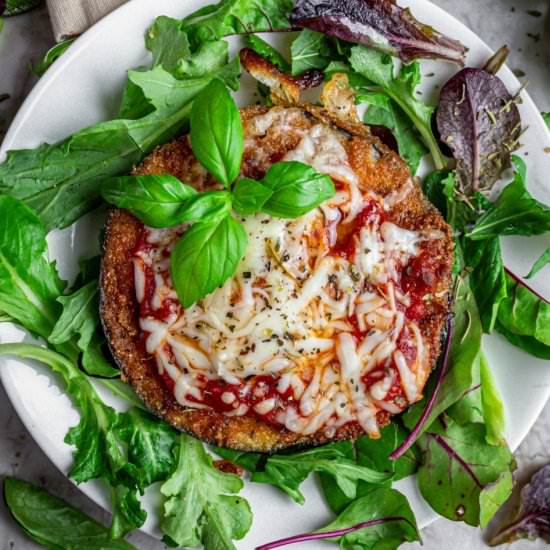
(85, 41)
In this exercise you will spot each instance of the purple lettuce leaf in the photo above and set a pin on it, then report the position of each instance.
(479, 121)
(533, 519)
(379, 24)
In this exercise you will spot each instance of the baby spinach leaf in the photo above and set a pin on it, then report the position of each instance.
(384, 26)
(29, 283)
(384, 112)
(288, 471)
(201, 503)
(533, 516)
(217, 133)
(492, 405)
(266, 50)
(167, 42)
(51, 522)
(516, 211)
(205, 257)
(52, 55)
(228, 17)
(307, 52)
(543, 261)
(463, 359)
(459, 470)
(487, 278)
(297, 188)
(79, 320)
(378, 68)
(250, 196)
(524, 319)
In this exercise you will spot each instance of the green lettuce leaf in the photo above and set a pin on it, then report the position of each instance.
(461, 477)
(289, 471)
(202, 505)
(378, 69)
(51, 522)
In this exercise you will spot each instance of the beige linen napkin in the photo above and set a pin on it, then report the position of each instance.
(73, 17)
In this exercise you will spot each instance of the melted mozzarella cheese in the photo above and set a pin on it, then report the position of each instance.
(286, 311)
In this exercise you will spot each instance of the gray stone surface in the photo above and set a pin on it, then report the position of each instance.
(26, 37)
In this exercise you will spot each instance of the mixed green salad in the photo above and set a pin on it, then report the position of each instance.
(452, 440)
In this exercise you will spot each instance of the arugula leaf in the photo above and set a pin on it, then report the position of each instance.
(201, 504)
(524, 319)
(4, 318)
(373, 454)
(164, 201)
(487, 278)
(250, 196)
(51, 522)
(308, 52)
(229, 17)
(378, 68)
(217, 133)
(248, 461)
(205, 257)
(266, 50)
(29, 283)
(288, 471)
(546, 117)
(393, 522)
(80, 318)
(52, 55)
(61, 182)
(515, 212)
(297, 188)
(210, 58)
(464, 358)
(167, 42)
(458, 475)
(543, 261)
(384, 112)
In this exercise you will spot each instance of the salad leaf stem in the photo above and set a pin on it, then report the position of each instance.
(337, 533)
(413, 435)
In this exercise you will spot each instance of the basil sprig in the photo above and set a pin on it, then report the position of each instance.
(209, 252)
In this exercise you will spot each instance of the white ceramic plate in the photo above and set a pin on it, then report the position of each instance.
(84, 87)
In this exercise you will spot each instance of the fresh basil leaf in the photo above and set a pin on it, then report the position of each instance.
(384, 112)
(261, 47)
(205, 257)
(250, 196)
(157, 200)
(79, 320)
(393, 522)
(167, 42)
(515, 212)
(372, 454)
(51, 522)
(248, 461)
(201, 503)
(289, 471)
(29, 283)
(307, 52)
(487, 278)
(543, 261)
(378, 68)
(52, 55)
(459, 471)
(463, 359)
(217, 133)
(297, 188)
(61, 182)
(493, 407)
(524, 319)
(229, 17)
